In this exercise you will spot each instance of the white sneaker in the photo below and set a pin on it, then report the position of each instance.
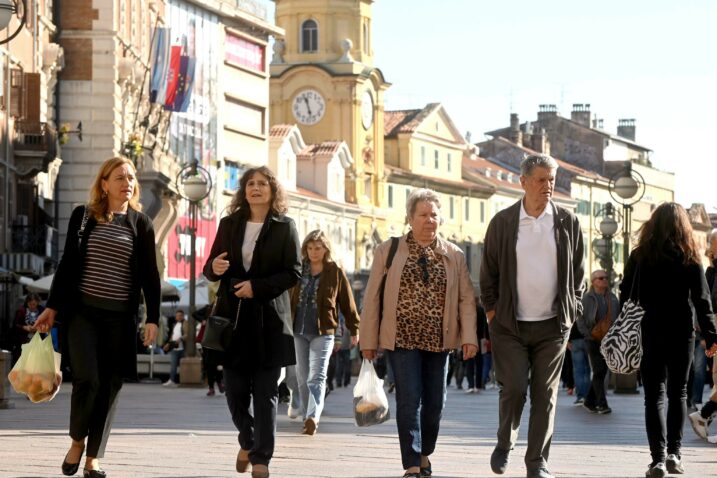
(292, 412)
(699, 424)
(169, 383)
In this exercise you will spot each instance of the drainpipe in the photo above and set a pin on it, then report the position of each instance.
(56, 190)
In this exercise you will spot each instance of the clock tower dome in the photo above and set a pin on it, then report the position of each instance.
(323, 80)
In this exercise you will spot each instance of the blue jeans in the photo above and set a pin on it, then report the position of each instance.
(174, 357)
(487, 365)
(420, 398)
(581, 367)
(293, 385)
(312, 362)
(700, 366)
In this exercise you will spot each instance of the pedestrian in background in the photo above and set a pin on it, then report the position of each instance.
(175, 346)
(315, 303)
(667, 273)
(531, 285)
(256, 257)
(428, 310)
(108, 260)
(600, 309)
(24, 325)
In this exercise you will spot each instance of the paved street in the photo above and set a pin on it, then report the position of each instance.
(180, 432)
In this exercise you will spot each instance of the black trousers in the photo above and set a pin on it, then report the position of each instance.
(343, 367)
(597, 396)
(212, 360)
(95, 343)
(665, 368)
(256, 432)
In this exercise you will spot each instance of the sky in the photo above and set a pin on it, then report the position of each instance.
(653, 61)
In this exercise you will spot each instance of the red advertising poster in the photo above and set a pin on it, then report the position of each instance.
(245, 53)
(179, 246)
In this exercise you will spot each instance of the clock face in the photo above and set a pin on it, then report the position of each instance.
(367, 109)
(308, 107)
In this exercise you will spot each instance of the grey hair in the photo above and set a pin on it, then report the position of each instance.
(595, 273)
(712, 235)
(531, 161)
(418, 195)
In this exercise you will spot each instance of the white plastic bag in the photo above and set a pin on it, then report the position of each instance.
(37, 372)
(370, 400)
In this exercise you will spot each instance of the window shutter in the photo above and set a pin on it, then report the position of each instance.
(16, 97)
(32, 96)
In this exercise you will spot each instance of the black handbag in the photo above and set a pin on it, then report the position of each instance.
(218, 330)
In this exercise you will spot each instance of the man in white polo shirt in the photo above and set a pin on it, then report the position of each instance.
(531, 286)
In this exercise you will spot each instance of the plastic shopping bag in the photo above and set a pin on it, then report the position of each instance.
(37, 372)
(370, 400)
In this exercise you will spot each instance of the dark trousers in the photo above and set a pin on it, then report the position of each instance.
(472, 372)
(420, 397)
(535, 357)
(665, 368)
(257, 432)
(596, 396)
(343, 367)
(95, 343)
(212, 360)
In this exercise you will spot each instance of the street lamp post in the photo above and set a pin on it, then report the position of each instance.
(627, 188)
(603, 246)
(194, 183)
(8, 8)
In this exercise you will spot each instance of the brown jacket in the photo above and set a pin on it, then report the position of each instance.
(459, 315)
(334, 292)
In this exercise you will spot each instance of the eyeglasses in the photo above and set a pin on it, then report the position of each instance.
(601, 278)
(423, 262)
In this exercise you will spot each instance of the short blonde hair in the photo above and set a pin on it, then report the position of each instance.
(316, 236)
(99, 204)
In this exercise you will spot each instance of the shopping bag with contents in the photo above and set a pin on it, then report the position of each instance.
(370, 400)
(37, 372)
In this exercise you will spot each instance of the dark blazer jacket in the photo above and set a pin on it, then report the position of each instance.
(498, 273)
(334, 292)
(65, 291)
(263, 336)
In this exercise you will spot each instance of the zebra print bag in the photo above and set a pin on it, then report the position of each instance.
(622, 345)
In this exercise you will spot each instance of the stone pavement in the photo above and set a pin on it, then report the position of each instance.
(180, 432)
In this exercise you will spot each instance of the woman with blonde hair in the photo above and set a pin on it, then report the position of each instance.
(108, 261)
(315, 303)
(256, 257)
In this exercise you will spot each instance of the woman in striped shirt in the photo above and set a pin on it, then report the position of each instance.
(109, 259)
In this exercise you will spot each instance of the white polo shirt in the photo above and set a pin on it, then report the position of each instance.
(537, 275)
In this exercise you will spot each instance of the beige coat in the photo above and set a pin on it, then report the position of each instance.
(459, 316)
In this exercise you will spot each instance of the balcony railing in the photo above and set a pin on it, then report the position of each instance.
(31, 135)
(40, 240)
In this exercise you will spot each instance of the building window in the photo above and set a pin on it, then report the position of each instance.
(448, 162)
(467, 209)
(436, 161)
(309, 37)
(232, 174)
(390, 195)
(365, 38)
(482, 211)
(583, 207)
(450, 204)
(423, 155)
(469, 256)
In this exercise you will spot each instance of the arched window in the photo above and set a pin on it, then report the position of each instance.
(366, 48)
(309, 36)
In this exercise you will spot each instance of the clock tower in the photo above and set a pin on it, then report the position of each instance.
(323, 80)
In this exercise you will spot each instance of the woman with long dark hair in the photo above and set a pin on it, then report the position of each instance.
(667, 273)
(109, 259)
(256, 257)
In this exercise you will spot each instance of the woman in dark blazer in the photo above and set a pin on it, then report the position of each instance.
(109, 260)
(667, 274)
(256, 255)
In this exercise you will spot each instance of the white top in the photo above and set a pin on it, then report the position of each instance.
(177, 335)
(250, 236)
(537, 275)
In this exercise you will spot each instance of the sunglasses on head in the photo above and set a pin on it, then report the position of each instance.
(423, 262)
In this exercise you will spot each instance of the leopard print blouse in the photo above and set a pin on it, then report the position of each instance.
(421, 299)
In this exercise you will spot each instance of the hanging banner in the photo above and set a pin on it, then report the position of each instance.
(245, 53)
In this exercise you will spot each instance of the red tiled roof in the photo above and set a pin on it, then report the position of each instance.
(405, 121)
(280, 130)
(446, 182)
(327, 148)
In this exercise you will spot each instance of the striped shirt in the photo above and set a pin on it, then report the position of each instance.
(107, 273)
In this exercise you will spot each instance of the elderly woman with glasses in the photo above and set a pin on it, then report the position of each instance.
(428, 310)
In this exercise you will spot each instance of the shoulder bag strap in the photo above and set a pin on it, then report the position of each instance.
(389, 261)
(81, 231)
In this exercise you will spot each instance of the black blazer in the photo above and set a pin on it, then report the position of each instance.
(65, 291)
(263, 336)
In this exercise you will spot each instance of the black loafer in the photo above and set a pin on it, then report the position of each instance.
(426, 471)
(499, 460)
(69, 469)
(93, 473)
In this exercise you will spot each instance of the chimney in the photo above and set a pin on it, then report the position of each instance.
(515, 136)
(539, 142)
(581, 114)
(547, 111)
(626, 128)
(597, 123)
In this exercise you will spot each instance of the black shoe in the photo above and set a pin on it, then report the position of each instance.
(590, 408)
(674, 464)
(499, 460)
(426, 471)
(656, 470)
(93, 473)
(69, 469)
(411, 475)
(603, 410)
(541, 472)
